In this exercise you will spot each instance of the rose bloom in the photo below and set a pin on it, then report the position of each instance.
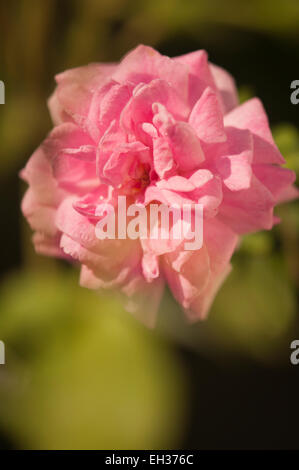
(157, 130)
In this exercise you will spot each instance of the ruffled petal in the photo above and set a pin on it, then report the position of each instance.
(143, 64)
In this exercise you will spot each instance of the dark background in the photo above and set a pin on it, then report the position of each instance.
(230, 379)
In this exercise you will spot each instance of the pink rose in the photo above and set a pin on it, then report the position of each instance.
(154, 129)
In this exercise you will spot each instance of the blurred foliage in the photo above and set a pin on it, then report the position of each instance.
(81, 373)
(245, 93)
(287, 138)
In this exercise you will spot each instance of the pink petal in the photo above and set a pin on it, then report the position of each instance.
(248, 210)
(143, 299)
(123, 158)
(199, 308)
(187, 273)
(206, 118)
(275, 178)
(106, 105)
(48, 246)
(38, 173)
(177, 183)
(288, 194)
(185, 145)
(140, 107)
(252, 116)
(40, 217)
(150, 266)
(72, 155)
(234, 166)
(57, 112)
(166, 196)
(200, 75)
(144, 64)
(73, 95)
(227, 87)
(164, 163)
(89, 279)
(195, 276)
(209, 195)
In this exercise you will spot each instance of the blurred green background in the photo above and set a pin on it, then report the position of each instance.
(80, 373)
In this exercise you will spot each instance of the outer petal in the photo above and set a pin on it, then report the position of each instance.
(40, 217)
(275, 178)
(57, 112)
(187, 273)
(248, 210)
(290, 193)
(200, 75)
(72, 155)
(195, 276)
(144, 299)
(252, 116)
(227, 87)
(200, 307)
(72, 98)
(143, 64)
(64, 137)
(39, 175)
(49, 246)
(40, 202)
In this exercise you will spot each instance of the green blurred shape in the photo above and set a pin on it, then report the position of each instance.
(260, 243)
(81, 373)
(245, 93)
(286, 136)
(21, 123)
